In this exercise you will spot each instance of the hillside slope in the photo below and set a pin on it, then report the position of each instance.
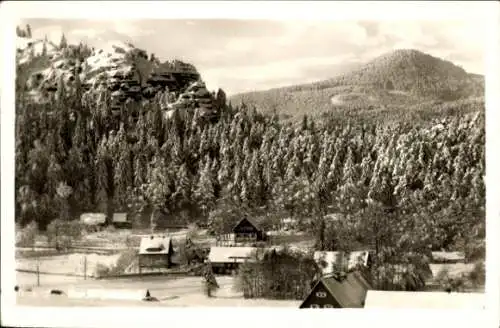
(395, 80)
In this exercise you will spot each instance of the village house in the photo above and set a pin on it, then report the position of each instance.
(330, 262)
(155, 251)
(338, 291)
(244, 232)
(377, 299)
(228, 259)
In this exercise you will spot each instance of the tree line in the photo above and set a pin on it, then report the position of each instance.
(74, 156)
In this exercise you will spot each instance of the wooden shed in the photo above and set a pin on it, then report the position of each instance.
(338, 291)
(155, 251)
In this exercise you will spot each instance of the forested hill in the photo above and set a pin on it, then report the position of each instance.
(397, 81)
(422, 178)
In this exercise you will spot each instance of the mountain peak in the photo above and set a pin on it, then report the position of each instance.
(397, 79)
(413, 71)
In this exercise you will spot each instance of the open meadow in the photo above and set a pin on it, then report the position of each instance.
(186, 291)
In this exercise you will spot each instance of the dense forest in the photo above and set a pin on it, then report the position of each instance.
(427, 176)
(400, 171)
(403, 171)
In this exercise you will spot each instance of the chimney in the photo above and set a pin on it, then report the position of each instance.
(339, 261)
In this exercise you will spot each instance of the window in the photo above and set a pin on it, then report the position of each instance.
(328, 306)
(321, 294)
(314, 306)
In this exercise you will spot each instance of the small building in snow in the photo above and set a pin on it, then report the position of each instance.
(376, 299)
(94, 221)
(155, 251)
(228, 259)
(338, 291)
(448, 257)
(121, 220)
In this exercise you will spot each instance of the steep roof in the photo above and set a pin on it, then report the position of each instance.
(155, 245)
(349, 291)
(424, 300)
(252, 222)
(230, 254)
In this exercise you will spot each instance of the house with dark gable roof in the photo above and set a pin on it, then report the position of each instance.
(338, 291)
(246, 231)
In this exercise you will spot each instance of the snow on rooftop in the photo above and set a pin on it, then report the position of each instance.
(230, 254)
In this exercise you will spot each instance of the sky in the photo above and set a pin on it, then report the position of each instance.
(247, 55)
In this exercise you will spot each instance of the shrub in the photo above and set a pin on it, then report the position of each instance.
(478, 275)
(63, 234)
(190, 253)
(280, 274)
(210, 283)
(448, 283)
(102, 270)
(26, 236)
(124, 261)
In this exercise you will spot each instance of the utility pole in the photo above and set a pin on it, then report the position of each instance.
(85, 267)
(38, 271)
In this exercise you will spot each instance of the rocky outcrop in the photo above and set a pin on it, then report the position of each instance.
(125, 73)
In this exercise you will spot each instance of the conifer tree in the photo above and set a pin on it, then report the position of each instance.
(63, 44)
(204, 192)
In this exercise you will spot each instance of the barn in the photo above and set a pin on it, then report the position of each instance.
(155, 251)
(338, 291)
(228, 259)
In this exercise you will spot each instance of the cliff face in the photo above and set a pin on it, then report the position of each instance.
(121, 70)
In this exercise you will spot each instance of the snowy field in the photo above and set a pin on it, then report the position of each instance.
(73, 264)
(454, 269)
(178, 292)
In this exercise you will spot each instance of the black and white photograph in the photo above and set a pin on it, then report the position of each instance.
(230, 162)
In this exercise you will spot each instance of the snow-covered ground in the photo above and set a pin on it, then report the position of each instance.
(454, 269)
(73, 264)
(181, 292)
